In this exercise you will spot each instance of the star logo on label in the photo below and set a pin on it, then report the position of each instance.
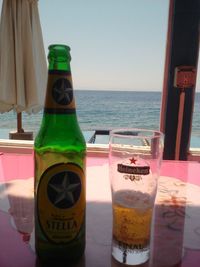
(64, 189)
(62, 92)
(133, 160)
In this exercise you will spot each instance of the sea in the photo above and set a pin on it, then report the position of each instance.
(107, 110)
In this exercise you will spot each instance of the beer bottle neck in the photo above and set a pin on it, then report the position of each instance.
(59, 119)
(59, 58)
(55, 65)
(59, 96)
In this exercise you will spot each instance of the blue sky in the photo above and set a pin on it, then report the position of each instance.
(115, 44)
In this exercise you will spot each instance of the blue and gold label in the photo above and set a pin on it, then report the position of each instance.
(59, 97)
(61, 202)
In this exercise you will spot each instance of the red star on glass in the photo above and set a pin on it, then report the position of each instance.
(132, 161)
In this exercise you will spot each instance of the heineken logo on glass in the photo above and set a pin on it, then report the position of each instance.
(134, 169)
(62, 92)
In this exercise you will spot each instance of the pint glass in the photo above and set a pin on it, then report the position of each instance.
(134, 163)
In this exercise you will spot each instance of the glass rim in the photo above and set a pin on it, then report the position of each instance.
(118, 132)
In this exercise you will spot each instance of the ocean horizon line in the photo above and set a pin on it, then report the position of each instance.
(124, 90)
(119, 90)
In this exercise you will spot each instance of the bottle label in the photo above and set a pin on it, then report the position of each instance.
(59, 97)
(61, 202)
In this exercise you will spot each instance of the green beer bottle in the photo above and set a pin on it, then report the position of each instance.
(60, 151)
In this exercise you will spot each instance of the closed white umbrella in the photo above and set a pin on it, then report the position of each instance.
(23, 68)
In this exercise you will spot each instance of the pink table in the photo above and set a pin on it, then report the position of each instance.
(176, 227)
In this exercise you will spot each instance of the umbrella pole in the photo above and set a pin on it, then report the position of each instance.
(20, 134)
(19, 123)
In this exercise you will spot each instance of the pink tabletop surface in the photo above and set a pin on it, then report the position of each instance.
(176, 238)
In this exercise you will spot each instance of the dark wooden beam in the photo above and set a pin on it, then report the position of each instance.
(178, 102)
